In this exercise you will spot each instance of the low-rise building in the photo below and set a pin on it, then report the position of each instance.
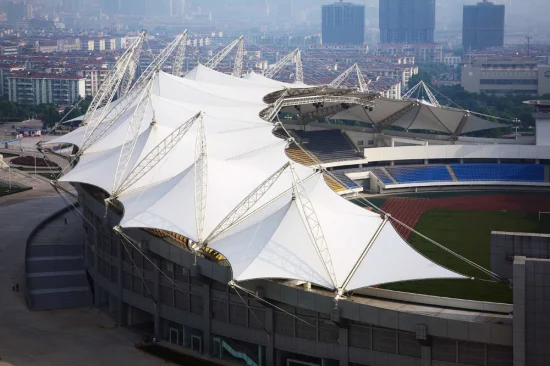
(451, 60)
(94, 78)
(431, 53)
(35, 88)
(5, 71)
(505, 75)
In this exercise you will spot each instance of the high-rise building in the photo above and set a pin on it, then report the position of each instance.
(343, 23)
(16, 11)
(73, 6)
(407, 21)
(482, 26)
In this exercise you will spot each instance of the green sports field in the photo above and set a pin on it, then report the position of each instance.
(468, 234)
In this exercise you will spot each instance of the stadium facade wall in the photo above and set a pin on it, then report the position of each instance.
(531, 311)
(202, 309)
(496, 152)
(507, 245)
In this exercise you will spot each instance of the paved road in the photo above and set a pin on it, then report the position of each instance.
(65, 337)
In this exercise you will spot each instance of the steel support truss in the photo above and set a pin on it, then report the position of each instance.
(322, 112)
(130, 73)
(239, 58)
(363, 85)
(109, 87)
(111, 115)
(299, 77)
(313, 224)
(270, 73)
(201, 179)
(422, 86)
(131, 136)
(245, 205)
(215, 61)
(157, 154)
(270, 113)
(371, 242)
(394, 117)
(177, 64)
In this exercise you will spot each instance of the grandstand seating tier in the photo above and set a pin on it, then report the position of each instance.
(499, 172)
(418, 174)
(328, 146)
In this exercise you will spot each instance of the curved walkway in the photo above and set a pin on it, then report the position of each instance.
(64, 337)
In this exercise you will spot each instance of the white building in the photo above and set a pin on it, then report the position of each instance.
(33, 88)
(94, 78)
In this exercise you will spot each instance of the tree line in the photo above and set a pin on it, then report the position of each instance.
(48, 113)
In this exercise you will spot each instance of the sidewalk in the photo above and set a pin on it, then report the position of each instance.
(63, 337)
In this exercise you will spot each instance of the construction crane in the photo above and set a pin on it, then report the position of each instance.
(177, 64)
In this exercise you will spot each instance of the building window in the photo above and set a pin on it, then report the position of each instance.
(409, 345)
(384, 340)
(359, 336)
(443, 350)
(471, 353)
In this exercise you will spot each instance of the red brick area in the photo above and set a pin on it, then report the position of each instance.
(409, 210)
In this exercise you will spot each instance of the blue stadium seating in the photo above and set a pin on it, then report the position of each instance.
(342, 177)
(420, 173)
(329, 145)
(499, 172)
(381, 175)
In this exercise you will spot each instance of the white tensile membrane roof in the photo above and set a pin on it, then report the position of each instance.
(274, 238)
(419, 115)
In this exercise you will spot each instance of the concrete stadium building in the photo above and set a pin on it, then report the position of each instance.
(207, 225)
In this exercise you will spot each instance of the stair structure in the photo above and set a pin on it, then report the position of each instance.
(55, 273)
(452, 173)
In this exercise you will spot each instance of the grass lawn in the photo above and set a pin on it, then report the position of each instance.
(467, 233)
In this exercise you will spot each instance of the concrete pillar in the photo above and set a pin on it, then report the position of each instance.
(519, 311)
(278, 358)
(426, 162)
(120, 314)
(343, 341)
(461, 160)
(97, 297)
(426, 355)
(392, 163)
(156, 292)
(207, 327)
(270, 346)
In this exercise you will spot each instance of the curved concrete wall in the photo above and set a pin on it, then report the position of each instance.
(208, 282)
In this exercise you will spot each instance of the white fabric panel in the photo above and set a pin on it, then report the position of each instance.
(167, 206)
(450, 118)
(391, 259)
(206, 75)
(407, 119)
(347, 228)
(475, 123)
(99, 168)
(262, 80)
(281, 244)
(426, 120)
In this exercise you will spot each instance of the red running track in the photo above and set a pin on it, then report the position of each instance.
(409, 210)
